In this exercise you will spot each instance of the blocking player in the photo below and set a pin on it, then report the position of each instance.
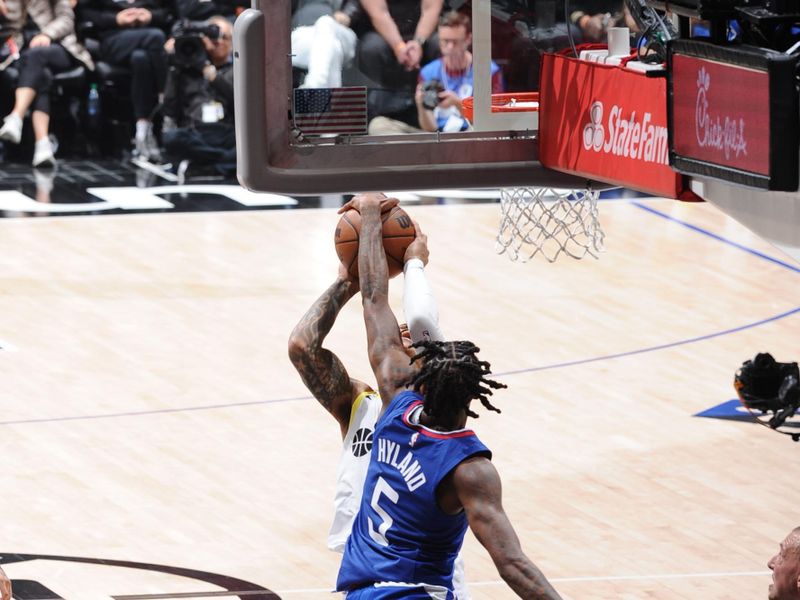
(355, 404)
(428, 476)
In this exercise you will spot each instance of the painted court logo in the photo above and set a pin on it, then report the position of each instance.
(726, 136)
(629, 137)
(51, 573)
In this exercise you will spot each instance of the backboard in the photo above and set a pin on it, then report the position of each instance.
(499, 151)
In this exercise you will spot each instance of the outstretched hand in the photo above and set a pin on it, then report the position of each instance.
(360, 200)
(419, 247)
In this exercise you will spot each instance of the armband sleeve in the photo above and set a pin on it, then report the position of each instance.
(419, 304)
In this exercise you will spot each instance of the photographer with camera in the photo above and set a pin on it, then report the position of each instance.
(443, 83)
(198, 96)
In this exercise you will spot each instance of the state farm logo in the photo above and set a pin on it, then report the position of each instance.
(637, 139)
(712, 132)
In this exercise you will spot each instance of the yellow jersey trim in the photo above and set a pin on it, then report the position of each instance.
(357, 403)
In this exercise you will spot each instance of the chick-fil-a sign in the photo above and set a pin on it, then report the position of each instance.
(721, 113)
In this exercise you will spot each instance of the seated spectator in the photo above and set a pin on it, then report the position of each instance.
(200, 10)
(131, 35)
(391, 50)
(443, 83)
(306, 12)
(325, 46)
(45, 31)
(198, 103)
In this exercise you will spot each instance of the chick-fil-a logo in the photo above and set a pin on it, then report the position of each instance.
(712, 131)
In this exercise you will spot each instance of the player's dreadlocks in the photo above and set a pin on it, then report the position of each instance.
(452, 376)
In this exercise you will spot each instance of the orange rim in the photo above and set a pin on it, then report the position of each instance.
(512, 102)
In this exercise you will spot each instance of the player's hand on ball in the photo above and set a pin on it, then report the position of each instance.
(346, 275)
(419, 247)
(360, 200)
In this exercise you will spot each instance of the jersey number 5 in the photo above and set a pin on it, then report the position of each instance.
(382, 488)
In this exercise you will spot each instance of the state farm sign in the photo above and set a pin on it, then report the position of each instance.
(606, 123)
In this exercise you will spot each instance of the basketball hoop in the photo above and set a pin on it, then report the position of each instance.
(505, 103)
(549, 222)
(544, 221)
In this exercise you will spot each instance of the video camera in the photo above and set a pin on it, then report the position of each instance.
(768, 24)
(190, 52)
(769, 386)
(430, 93)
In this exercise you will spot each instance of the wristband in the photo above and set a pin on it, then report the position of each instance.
(421, 41)
(399, 47)
(413, 263)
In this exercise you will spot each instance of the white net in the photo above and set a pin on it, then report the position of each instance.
(548, 222)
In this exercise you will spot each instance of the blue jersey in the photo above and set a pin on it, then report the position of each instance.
(400, 535)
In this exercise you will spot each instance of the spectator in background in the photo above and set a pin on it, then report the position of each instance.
(392, 49)
(45, 31)
(131, 35)
(324, 47)
(594, 17)
(785, 567)
(444, 83)
(198, 106)
(200, 10)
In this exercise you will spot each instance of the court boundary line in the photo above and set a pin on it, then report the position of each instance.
(718, 237)
(498, 375)
(573, 363)
(581, 579)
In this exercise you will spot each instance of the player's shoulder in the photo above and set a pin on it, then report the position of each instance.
(476, 472)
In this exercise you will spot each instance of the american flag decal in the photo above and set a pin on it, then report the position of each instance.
(330, 110)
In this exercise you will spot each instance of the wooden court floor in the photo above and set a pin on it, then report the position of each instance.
(150, 413)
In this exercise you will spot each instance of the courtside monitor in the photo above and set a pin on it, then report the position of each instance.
(302, 133)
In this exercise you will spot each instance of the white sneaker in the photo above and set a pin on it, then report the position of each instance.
(147, 148)
(43, 154)
(44, 179)
(11, 131)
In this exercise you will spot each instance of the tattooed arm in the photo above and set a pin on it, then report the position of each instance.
(320, 369)
(387, 355)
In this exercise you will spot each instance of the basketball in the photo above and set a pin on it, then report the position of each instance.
(398, 233)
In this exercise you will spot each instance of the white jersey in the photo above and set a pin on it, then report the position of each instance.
(353, 464)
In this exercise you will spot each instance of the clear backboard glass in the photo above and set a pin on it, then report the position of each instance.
(333, 101)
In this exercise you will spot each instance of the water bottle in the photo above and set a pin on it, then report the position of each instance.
(93, 106)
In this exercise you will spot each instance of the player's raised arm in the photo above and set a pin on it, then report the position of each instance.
(320, 369)
(387, 356)
(419, 303)
(479, 491)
